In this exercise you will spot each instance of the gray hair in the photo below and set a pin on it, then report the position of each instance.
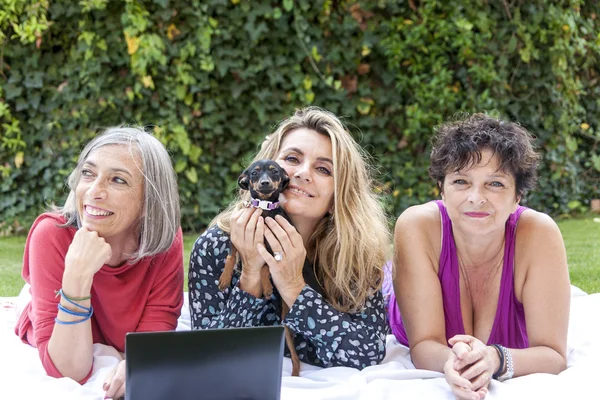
(161, 215)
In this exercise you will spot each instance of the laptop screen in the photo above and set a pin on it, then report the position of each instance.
(235, 363)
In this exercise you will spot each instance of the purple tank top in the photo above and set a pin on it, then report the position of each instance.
(509, 327)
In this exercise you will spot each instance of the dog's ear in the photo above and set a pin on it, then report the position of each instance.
(244, 181)
(285, 180)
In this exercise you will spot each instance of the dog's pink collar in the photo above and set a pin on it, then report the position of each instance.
(264, 204)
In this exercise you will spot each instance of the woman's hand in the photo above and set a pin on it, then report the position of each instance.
(475, 362)
(461, 388)
(87, 253)
(286, 273)
(247, 230)
(114, 383)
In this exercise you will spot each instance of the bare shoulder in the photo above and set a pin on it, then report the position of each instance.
(536, 228)
(418, 230)
(539, 249)
(421, 217)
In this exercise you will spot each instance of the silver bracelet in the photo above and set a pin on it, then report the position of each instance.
(510, 371)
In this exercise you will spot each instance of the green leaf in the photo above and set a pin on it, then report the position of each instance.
(288, 5)
(464, 24)
(195, 153)
(180, 165)
(571, 143)
(192, 175)
(309, 96)
(182, 139)
(596, 162)
(512, 44)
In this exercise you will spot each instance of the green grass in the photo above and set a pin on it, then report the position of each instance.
(582, 239)
(11, 261)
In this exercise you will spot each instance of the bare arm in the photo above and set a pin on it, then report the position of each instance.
(68, 340)
(545, 295)
(417, 287)
(52, 260)
(70, 346)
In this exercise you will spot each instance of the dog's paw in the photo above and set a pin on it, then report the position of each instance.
(224, 282)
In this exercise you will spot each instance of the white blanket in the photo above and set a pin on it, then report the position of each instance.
(22, 375)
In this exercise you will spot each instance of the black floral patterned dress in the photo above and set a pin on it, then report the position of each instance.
(323, 336)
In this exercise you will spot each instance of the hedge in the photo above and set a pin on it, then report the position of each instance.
(211, 78)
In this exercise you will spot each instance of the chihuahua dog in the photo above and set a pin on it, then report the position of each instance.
(266, 180)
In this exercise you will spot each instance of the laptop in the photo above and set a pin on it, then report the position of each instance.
(215, 364)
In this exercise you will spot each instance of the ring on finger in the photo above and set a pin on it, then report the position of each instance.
(278, 256)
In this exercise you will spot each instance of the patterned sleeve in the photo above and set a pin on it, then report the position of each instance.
(210, 307)
(340, 339)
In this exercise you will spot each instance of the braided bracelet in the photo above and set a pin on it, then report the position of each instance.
(501, 356)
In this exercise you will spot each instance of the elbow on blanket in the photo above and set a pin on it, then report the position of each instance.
(561, 365)
(54, 372)
(557, 363)
(80, 378)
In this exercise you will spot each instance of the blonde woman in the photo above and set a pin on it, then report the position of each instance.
(329, 267)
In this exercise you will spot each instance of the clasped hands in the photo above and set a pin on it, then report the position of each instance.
(470, 367)
(248, 232)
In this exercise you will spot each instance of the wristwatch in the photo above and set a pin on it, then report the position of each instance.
(509, 371)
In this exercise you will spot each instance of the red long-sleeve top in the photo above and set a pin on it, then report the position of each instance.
(145, 296)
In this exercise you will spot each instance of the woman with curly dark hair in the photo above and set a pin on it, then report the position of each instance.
(482, 283)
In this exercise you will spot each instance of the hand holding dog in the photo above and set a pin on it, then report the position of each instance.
(286, 273)
(247, 230)
(473, 362)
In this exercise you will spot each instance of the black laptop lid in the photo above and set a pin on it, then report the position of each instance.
(228, 364)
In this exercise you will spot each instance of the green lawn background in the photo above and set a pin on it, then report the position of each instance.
(582, 240)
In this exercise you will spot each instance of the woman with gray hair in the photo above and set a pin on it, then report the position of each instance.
(109, 261)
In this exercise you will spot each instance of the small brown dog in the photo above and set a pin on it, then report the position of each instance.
(265, 179)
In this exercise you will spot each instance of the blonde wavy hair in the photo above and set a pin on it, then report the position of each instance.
(348, 248)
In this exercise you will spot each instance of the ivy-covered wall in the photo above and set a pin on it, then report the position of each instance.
(213, 77)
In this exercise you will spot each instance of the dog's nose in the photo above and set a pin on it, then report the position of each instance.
(265, 182)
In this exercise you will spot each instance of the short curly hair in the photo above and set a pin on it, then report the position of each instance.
(458, 145)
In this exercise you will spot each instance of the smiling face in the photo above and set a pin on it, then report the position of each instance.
(110, 193)
(306, 156)
(480, 199)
